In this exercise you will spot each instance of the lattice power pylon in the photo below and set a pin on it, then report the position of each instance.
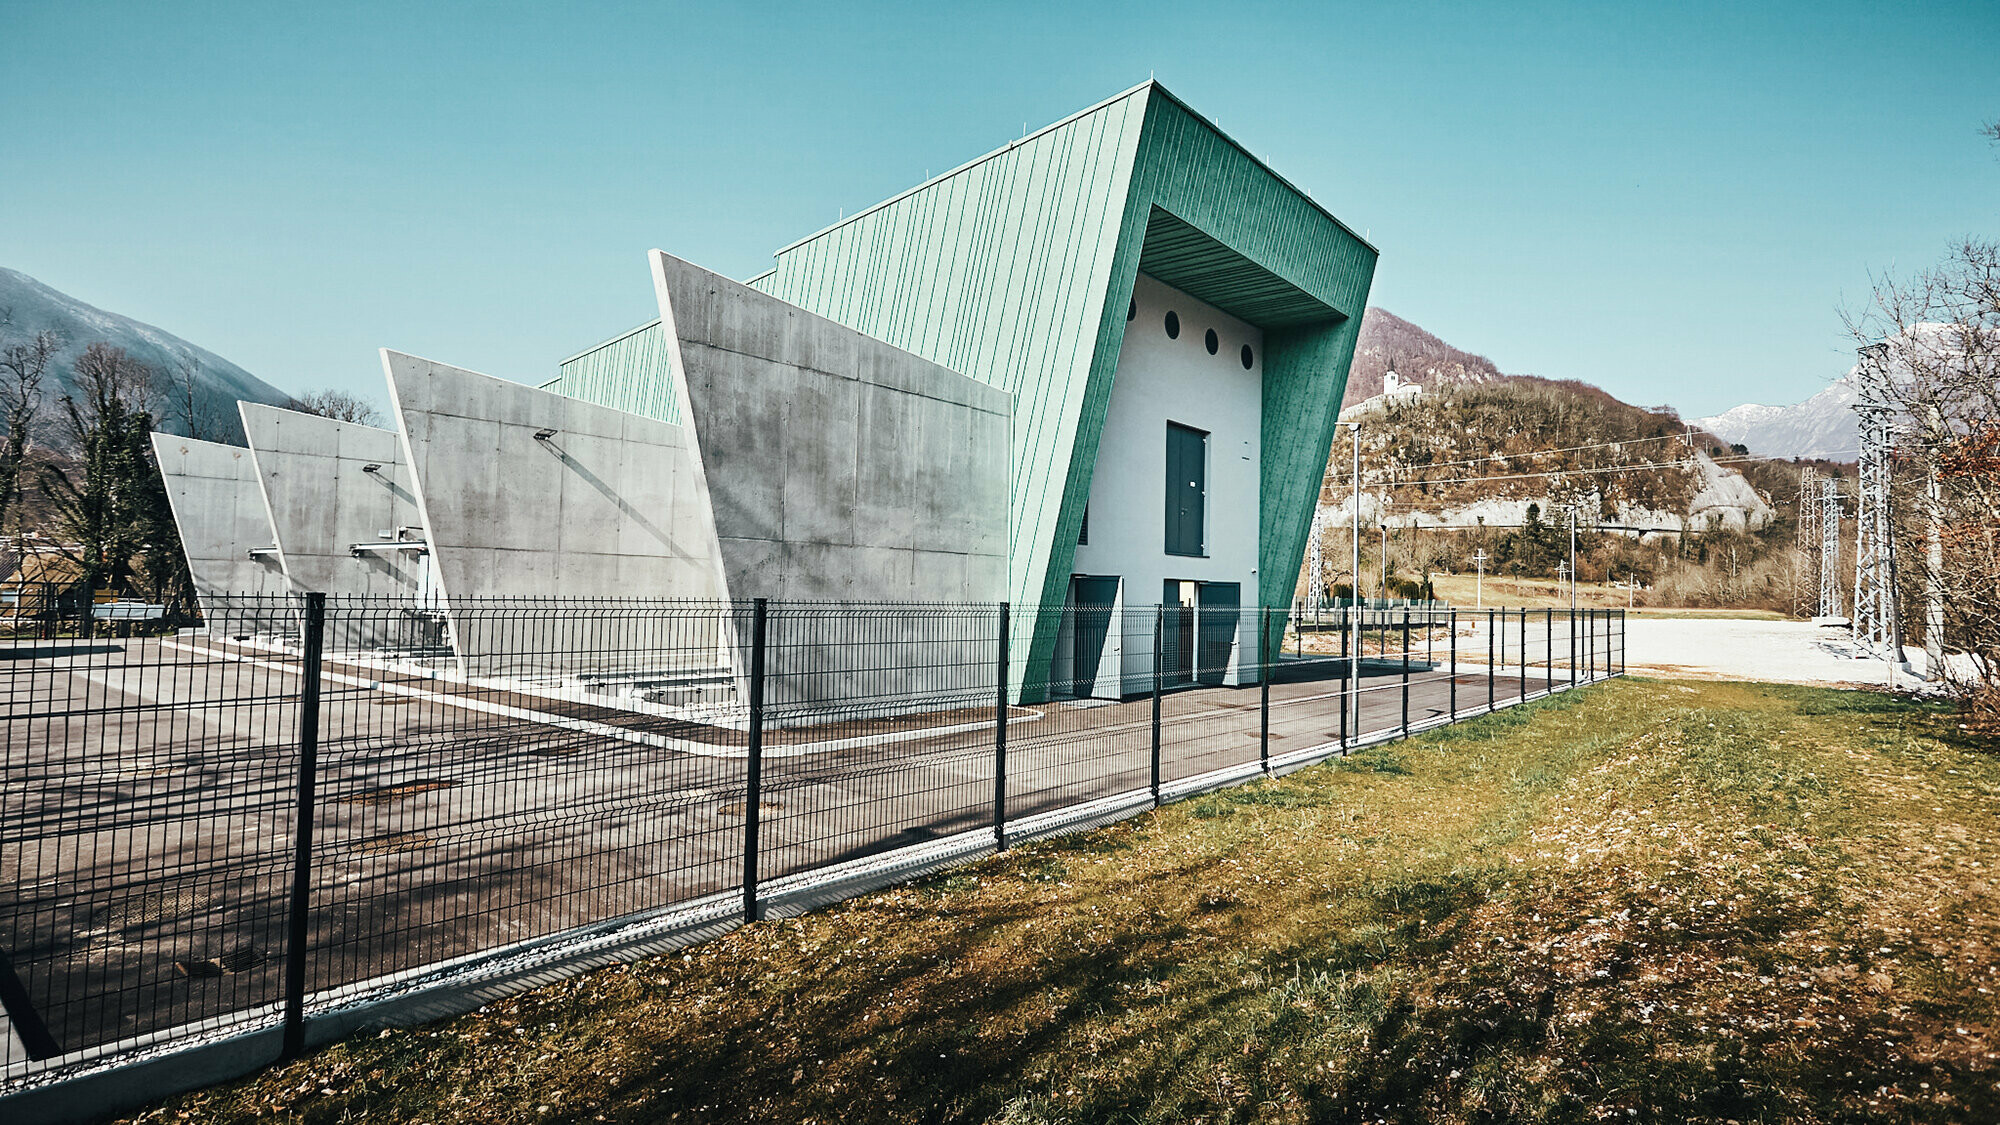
(1874, 621)
(1804, 586)
(1316, 558)
(1829, 548)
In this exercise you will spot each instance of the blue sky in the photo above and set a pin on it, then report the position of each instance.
(1672, 201)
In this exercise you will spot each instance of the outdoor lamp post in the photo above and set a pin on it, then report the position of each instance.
(1354, 595)
(1384, 529)
(1570, 510)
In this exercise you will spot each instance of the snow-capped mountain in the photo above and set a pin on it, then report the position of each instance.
(35, 306)
(1823, 426)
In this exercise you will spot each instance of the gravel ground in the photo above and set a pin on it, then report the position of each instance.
(1786, 652)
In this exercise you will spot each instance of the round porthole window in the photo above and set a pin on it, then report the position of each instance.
(1247, 357)
(1173, 326)
(1212, 342)
(1131, 310)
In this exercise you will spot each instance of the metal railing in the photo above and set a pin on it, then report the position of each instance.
(317, 801)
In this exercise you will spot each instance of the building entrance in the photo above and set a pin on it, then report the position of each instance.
(1198, 629)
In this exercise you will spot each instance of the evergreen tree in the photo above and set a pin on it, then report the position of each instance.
(108, 501)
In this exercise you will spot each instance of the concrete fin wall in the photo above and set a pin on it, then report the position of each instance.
(219, 511)
(606, 505)
(323, 500)
(839, 468)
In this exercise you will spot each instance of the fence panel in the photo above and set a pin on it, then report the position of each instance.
(881, 731)
(146, 818)
(572, 763)
(505, 771)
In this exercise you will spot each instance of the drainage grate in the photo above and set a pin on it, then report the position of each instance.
(388, 793)
(393, 843)
(241, 959)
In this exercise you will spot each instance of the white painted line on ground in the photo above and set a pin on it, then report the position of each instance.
(607, 730)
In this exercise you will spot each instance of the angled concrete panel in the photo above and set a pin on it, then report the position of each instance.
(838, 468)
(345, 517)
(219, 511)
(528, 494)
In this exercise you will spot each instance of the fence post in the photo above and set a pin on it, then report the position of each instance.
(312, 639)
(1348, 677)
(1451, 622)
(754, 784)
(1406, 671)
(1159, 619)
(1548, 651)
(1492, 641)
(1264, 688)
(1000, 737)
(1524, 654)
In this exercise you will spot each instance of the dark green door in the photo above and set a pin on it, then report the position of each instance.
(1187, 489)
(1218, 606)
(1091, 599)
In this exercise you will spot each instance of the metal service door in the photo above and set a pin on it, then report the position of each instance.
(1092, 597)
(1187, 489)
(1218, 606)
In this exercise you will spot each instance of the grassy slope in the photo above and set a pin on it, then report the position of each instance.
(1689, 902)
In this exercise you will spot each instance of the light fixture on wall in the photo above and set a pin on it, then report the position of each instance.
(545, 433)
(371, 467)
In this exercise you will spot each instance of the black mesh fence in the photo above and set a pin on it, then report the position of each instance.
(318, 800)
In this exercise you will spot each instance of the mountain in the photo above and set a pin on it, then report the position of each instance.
(35, 306)
(1388, 340)
(1822, 426)
(1464, 442)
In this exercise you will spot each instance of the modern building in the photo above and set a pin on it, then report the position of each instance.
(1093, 372)
(1175, 322)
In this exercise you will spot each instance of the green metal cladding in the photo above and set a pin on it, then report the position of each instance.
(1015, 269)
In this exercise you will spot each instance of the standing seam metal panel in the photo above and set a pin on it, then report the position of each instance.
(1015, 270)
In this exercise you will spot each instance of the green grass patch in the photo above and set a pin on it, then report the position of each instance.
(1643, 901)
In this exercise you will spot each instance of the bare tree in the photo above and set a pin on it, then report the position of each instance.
(1931, 350)
(23, 363)
(338, 405)
(185, 397)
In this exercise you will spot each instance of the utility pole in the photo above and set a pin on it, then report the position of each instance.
(1315, 562)
(1479, 584)
(1354, 603)
(1572, 563)
(1807, 509)
(1384, 529)
(1829, 548)
(1936, 437)
(1875, 620)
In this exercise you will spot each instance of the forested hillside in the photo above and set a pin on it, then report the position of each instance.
(1481, 461)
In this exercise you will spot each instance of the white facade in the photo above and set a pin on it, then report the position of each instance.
(1162, 379)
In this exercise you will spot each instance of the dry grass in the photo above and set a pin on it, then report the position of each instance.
(1643, 901)
(1536, 593)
